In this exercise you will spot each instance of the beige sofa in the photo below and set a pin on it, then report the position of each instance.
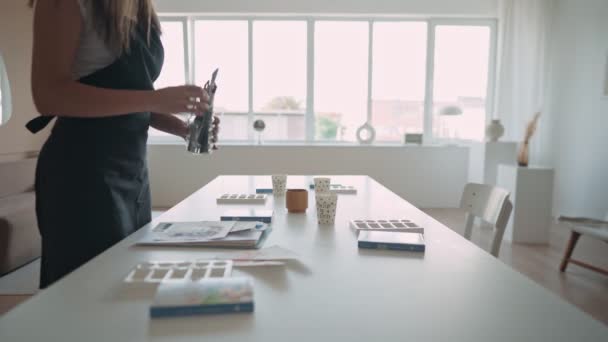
(19, 237)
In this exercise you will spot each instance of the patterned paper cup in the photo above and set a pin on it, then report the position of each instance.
(322, 184)
(279, 184)
(326, 207)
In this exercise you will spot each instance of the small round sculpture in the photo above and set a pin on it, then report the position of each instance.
(259, 125)
(366, 134)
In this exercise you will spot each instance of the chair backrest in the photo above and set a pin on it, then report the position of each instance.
(489, 203)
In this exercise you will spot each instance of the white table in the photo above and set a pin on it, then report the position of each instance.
(454, 292)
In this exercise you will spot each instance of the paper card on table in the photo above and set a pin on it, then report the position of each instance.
(240, 226)
(202, 230)
(273, 253)
(257, 263)
(242, 239)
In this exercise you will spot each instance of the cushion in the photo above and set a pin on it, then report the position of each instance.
(600, 233)
(20, 240)
(17, 176)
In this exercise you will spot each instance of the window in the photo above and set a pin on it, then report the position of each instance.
(399, 77)
(341, 59)
(224, 45)
(174, 67)
(1, 91)
(321, 78)
(460, 81)
(279, 78)
(5, 94)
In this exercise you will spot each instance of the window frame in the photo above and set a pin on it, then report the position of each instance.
(5, 94)
(430, 76)
(311, 20)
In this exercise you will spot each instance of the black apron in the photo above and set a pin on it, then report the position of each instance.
(92, 186)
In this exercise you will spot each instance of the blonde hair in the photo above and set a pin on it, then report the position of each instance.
(116, 21)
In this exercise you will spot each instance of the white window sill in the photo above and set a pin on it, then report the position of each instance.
(156, 140)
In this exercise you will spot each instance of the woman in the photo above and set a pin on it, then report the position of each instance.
(94, 64)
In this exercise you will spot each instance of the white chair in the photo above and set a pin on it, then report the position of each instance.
(490, 204)
(588, 227)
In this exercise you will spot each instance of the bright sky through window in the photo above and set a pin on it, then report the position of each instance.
(341, 60)
(264, 74)
(224, 45)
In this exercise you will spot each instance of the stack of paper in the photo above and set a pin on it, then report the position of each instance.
(269, 256)
(234, 234)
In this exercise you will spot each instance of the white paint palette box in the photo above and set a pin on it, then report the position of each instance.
(242, 199)
(387, 226)
(155, 272)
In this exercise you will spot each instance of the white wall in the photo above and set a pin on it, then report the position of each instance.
(426, 176)
(580, 116)
(482, 8)
(16, 47)
(580, 113)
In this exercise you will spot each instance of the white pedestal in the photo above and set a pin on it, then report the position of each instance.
(484, 158)
(532, 196)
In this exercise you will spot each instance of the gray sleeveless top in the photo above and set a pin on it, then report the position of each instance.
(92, 53)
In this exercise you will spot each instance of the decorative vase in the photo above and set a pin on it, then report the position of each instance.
(366, 134)
(523, 155)
(524, 150)
(495, 130)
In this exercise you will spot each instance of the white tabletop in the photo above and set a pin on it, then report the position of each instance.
(453, 292)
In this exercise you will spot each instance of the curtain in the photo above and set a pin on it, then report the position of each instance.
(525, 27)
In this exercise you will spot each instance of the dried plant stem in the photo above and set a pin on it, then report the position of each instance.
(523, 155)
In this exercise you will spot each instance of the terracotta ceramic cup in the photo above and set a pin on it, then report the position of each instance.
(297, 200)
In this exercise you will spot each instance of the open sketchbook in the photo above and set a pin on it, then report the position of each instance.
(229, 234)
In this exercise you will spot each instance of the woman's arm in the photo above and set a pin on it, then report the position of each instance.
(57, 27)
(169, 124)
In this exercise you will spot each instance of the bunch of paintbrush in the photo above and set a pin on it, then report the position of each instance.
(201, 136)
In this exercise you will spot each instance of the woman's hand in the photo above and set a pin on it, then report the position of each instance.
(173, 125)
(182, 99)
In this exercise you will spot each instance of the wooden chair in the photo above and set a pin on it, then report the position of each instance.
(490, 204)
(588, 227)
